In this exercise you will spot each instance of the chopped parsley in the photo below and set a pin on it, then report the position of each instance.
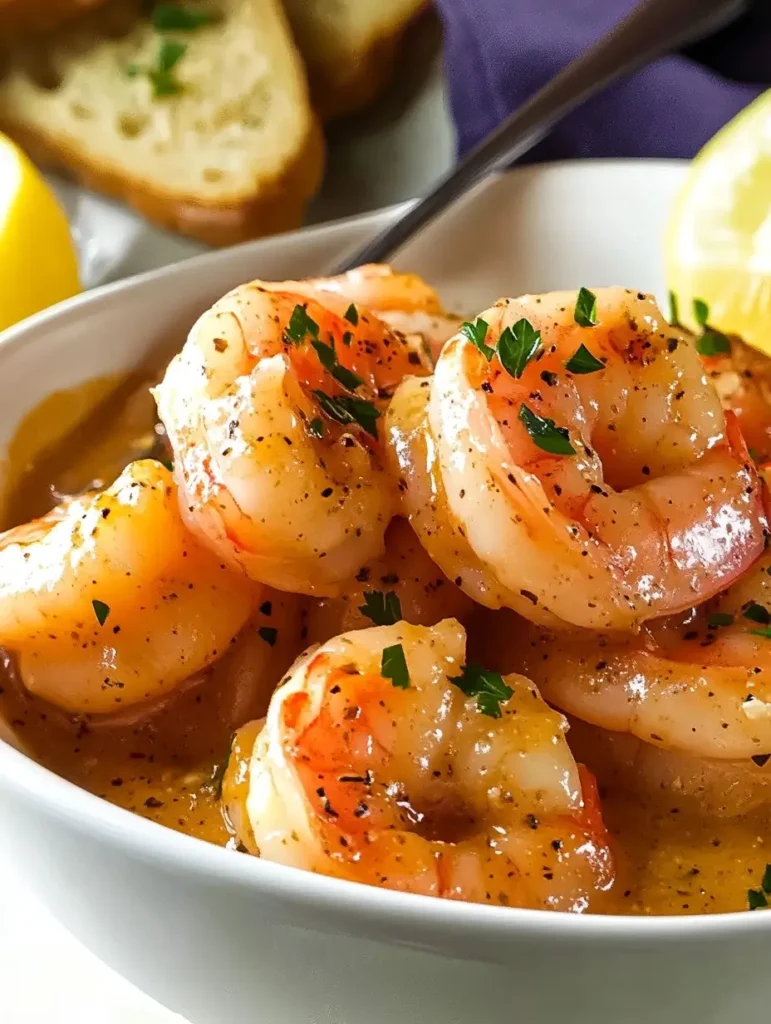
(384, 609)
(674, 309)
(393, 666)
(172, 18)
(585, 313)
(164, 82)
(352, 315)
(168, 464)
(301, 325)
(757, 898)
(101, 610)
(328, 358)
(710, 342)
(269, 634)
(347, 339)
(765, 632)
(476, 334)
(346, 409)
(545, 434)
(316, 427)
(582, 361)
(757, 613)
(720, 619)
(488, 688)
(162, 77)
(517, 346)
(700, 312)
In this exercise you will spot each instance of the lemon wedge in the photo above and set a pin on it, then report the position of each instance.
(718, 245)
(38, 263)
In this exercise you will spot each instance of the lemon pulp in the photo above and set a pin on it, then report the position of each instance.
(38, 263)
(718, 245)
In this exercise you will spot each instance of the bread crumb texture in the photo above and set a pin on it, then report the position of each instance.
(209, 132)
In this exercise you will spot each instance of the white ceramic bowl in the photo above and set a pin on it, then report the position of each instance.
(219, 936)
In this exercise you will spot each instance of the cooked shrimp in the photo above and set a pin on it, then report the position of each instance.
(699, 683)
(108, 601)
(374, 286)
(589, 478)
(273, 410)
(403, 301)
(235, 785)
(246, 676)
(742, 379)
(393, 776)
(668, 777)
(402, 584)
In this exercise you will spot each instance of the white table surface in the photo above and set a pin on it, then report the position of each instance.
(46, 977)
(384, 156)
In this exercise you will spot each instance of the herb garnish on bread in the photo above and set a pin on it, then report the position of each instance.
(196, 114)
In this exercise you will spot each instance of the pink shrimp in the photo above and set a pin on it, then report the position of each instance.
(273, 412)
(108, 601)
(576, 473)
(380, 762)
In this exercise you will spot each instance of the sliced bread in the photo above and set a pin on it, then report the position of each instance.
(26, 17)
(206, 132)
(350, 47)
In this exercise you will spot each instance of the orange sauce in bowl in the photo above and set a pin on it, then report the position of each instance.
(166, 767)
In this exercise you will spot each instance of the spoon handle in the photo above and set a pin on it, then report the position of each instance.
(652, 29)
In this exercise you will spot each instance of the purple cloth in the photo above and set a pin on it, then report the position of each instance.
(499, 52)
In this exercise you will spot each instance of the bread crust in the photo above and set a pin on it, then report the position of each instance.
(277, 205)
(352, 85)
(270, 188)
(341, 86)
(28, 17)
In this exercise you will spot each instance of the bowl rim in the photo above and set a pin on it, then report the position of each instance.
(406, 913)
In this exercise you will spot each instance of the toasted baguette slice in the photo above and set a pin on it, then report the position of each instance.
(234, 154)
(350, 47)
(27, 17)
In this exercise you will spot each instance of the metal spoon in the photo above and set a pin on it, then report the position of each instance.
(653, 28)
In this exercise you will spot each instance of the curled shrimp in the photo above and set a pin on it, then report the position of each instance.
(589, 477)
(742, 379)
(701, 786)
(402, 584)
(403, 301)
(698, 683)
(243, 680)
(397, 778)
(273, 411)
(108, 601)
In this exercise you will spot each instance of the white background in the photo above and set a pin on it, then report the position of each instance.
(46, 977)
